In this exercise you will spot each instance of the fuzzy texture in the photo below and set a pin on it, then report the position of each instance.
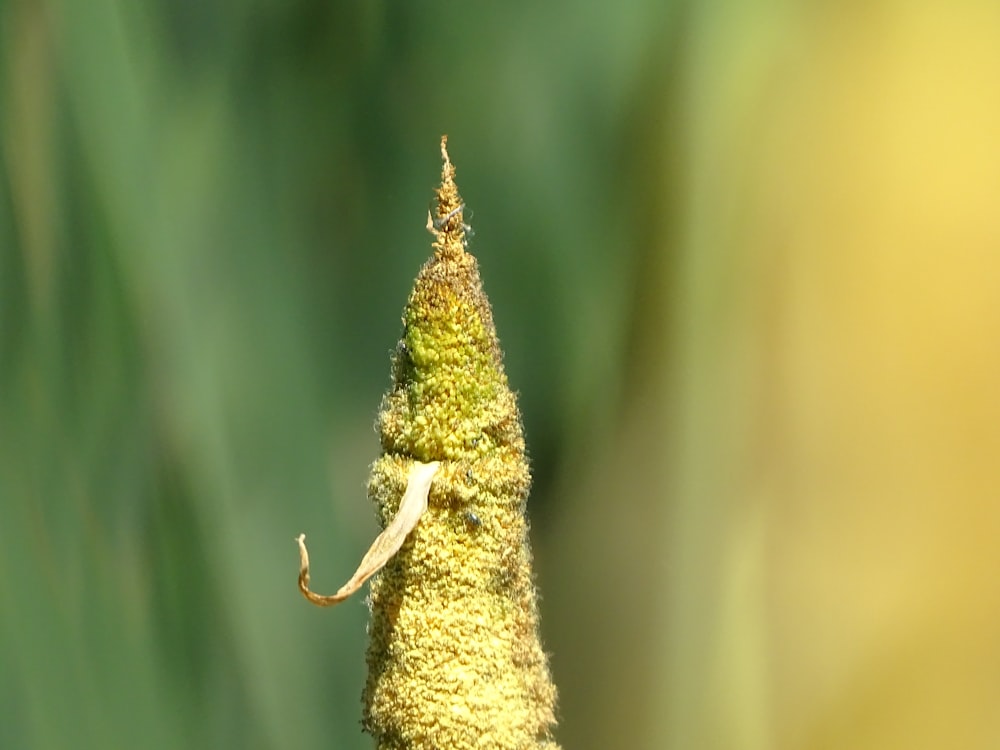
(455, 660)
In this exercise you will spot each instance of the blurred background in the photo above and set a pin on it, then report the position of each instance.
(745, 264)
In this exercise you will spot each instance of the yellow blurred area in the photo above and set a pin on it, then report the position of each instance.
(833, 418)
(877, 452)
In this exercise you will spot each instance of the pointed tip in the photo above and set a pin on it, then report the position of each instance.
(447, 225)
(444, 151)
(448, 188)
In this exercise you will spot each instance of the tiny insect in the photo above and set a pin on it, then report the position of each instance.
(472, 519)
(400, 360)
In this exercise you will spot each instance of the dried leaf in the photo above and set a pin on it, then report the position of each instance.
(387, 544)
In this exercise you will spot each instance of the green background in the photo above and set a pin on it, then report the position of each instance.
(743, 259)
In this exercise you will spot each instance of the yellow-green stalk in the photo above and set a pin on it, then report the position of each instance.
(454, 660)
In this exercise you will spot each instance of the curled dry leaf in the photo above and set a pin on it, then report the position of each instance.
(387, 544)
